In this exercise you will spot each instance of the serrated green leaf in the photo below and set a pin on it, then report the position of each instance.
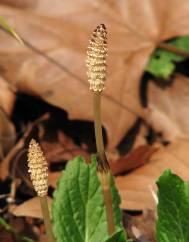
(78, 207)
(162, 62)
(6, 26)
(173, 209)
(117, 237)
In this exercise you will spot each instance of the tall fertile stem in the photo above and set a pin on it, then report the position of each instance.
(96, 63)
(103, 167)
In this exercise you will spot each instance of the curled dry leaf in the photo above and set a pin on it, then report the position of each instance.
(7, 134)
(137, 157)
(7, 97)
(136, 188)
(62, 30)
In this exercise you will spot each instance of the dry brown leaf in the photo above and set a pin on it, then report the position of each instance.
(62, 30)
(53, 178)
(30, 208)
(169, 109)
(136, 188)
(141, 227)
(20, 3)
(64, 149)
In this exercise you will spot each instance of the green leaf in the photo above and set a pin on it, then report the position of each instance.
(162, 62)
(117, 237)
(78, 207)
(173, 209)
(6, 27)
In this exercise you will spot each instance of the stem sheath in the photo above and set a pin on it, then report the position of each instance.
(104, 178)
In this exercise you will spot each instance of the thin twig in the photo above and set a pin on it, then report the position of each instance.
(173, 49)
(4, 166)
(14, 233)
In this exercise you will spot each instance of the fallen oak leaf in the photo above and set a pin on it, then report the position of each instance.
(134, 188)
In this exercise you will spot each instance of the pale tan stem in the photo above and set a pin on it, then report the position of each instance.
(103, 167)
(98, 126)
(47, 220)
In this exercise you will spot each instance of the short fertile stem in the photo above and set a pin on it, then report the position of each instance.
(46, 216)
(38, 169)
